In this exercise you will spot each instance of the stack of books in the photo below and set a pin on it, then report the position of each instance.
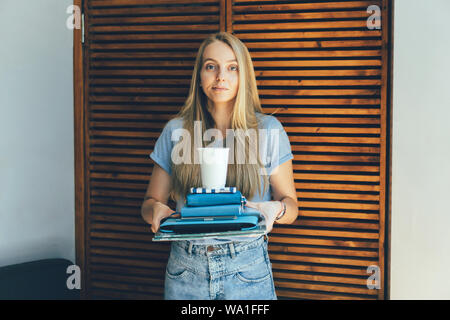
(212, 211)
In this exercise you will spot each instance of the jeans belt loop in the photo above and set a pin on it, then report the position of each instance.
(190, 247)
(232, 250)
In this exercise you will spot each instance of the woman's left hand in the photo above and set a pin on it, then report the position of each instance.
(269, 209)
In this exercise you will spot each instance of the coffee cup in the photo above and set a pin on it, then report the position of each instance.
(214, 165)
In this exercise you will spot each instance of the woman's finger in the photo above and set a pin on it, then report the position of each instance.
(155, 226)
(251, 205)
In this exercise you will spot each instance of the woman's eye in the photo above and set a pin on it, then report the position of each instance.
(208, 66)
(234, 68)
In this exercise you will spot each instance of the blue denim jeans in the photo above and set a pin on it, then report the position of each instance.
(231, 271)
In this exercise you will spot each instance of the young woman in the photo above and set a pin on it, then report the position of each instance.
(223, 95)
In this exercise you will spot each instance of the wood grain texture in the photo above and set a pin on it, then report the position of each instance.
(79, 153)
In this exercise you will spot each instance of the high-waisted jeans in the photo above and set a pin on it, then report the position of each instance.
(232, 271)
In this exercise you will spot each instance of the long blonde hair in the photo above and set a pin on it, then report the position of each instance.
(246, 177)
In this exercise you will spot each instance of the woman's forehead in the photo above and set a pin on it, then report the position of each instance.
(219, 52)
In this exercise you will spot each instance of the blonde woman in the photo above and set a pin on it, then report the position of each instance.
(223, 95)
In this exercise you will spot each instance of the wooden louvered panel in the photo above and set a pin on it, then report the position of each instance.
(140, 60)
(319, 69)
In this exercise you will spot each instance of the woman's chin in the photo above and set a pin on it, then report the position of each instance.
(221, 100)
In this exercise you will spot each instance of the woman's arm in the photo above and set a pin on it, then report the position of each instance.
(282, 182)
(154, 208)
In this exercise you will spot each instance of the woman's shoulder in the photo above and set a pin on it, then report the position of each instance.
(174, 123)
(267, 121)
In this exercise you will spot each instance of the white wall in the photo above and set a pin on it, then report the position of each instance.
(36, 132)
(420, 256)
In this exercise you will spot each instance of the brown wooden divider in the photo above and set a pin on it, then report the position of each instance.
(322, 73)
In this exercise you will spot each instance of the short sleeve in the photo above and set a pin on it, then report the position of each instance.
(279, 145)
(163, 148)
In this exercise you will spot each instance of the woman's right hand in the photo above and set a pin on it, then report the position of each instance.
(160, 211)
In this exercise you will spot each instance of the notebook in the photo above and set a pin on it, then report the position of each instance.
(203, 199)
(260, 229)
(205, 225)
(226, 210)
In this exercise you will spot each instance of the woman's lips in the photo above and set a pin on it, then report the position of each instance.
(220, 89)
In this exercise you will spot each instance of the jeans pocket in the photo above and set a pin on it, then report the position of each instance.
(254, 274)
(175, 270)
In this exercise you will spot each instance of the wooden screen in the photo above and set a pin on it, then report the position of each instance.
(322, 72)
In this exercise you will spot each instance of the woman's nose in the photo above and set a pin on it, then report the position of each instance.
(220, 75)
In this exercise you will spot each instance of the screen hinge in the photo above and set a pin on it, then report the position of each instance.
(82, 28)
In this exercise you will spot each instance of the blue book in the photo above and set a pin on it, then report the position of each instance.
(182, 226)
(250, 212)
(214, 199)
(226, 210)
(218, 190)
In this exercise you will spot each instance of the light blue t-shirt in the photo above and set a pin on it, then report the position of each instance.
(275, 149)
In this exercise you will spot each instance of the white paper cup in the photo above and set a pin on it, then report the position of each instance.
(214, 165)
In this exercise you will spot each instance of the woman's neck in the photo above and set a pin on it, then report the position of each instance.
(222, 117)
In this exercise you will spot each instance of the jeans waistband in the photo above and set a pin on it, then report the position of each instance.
(220, 249)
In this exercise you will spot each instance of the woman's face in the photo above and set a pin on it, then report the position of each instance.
(219, 75)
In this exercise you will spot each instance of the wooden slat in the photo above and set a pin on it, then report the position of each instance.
(282, 293)
(315, 54)
(314, 250)
(276, 15)
(328, 288)
(107, 3)
(157, 27)
(317, 177)
(299, 25)
(81, 203)
(156, 19)
(321, 269)
(280, 92)
(277, 111)
(188, 63)
(262, 73)
(105, 294)
(155, 10)
(311, 34)
(163, 37)
(314, 44)
(335, 177)
(326, 233)
(298, 101)
(385, 172)
(262, 6)
(126, 287)
(318, 82)
(143, 172)
(301, 36)
(349, 149)
(337, 214)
